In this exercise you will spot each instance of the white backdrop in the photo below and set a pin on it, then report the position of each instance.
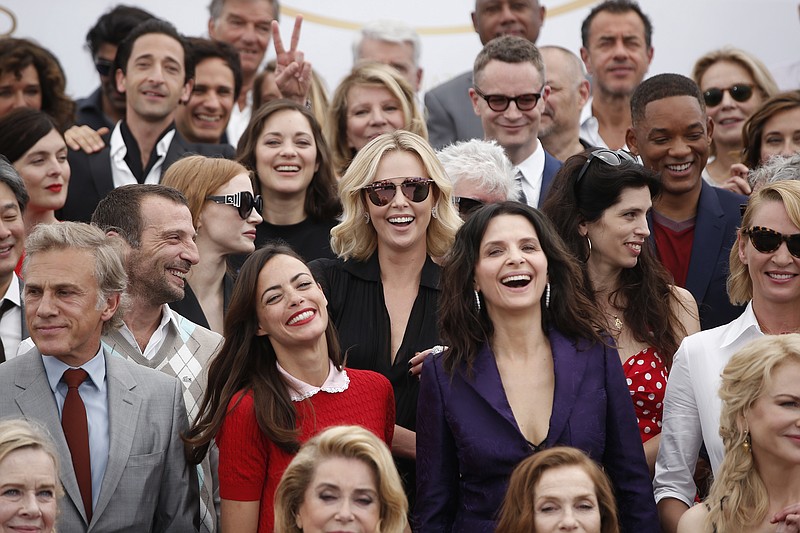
(683, 30)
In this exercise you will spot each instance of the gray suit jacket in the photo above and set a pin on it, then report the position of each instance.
(148, 486)
(450, 114)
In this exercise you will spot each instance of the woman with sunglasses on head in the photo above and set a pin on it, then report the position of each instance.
(758, 485)
(225, 214)
(373, 99)
(765, 274)
(734, 84)
(284, 148)
(599, 203)
(383, 290)
(277, 381)
(527, 368)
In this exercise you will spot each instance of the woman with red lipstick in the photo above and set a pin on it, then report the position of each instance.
(383, 290)
(734, 83)
(31, 141)
(284, 148)
(599, 202)
(765, 274)
(758, 484)
(225, 213)
(277, 381)
(527, 369)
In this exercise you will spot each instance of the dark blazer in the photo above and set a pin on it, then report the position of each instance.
(148, 486)
(92, 180)
(551, 168)
(468, 441)
(718, 217)
(450, 114)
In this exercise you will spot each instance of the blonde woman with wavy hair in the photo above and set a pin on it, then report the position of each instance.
(341, 463)
(765, 274)
(383, 289)
(758, 484)
(373, 99)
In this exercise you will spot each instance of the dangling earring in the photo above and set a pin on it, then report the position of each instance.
(589, 252)
(366, 218)
(477, 300)
(746, 445)
(435, 211)
(547, 295)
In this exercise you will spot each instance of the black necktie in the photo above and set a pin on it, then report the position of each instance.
(5, 306)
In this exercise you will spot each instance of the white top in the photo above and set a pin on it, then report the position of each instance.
(120, 171)
(239, 120)
(337, 381)
(590, 127)
(11, 324)
(692, 405)
(532, 170)
(158, 336)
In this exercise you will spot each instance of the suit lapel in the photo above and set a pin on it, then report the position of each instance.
(36, 402)
(177, 148)
(123, 412)
(551, 166)
(709, 238)
(100, 170)
(569, 366)
(485, 381)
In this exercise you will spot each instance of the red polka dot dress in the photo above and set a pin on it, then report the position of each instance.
(647, 378)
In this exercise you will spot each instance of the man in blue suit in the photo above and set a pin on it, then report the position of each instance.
(509, 95)
(693, 224)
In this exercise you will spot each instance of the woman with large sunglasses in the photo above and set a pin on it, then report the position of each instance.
(383, 290)
(599, 203)
(225, 214)
(765, 274)
(734, 84)
(278, 380)
(527, 368)
(284, 148)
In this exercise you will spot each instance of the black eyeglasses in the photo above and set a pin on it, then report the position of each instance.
(767, 240)
(103, 66)
(613, 158)
(741, 92)
(243, 201)
(500, 102)
(466, 205)
(415, 189)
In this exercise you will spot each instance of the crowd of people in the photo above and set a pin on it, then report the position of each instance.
(553, 294)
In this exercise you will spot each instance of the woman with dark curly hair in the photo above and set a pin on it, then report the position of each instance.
(599, 202)
(284, 148)
(527, 368)
(31, 76)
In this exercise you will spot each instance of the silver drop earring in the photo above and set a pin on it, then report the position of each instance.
(435, 211)
(366, 218)
(547, 295)
(477, 300)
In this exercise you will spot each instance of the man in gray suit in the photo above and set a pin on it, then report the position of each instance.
(115, 424)
(154, 225)
(450, 116)
(13, 199)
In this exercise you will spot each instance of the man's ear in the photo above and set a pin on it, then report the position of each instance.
(119, 77)
(630, 140)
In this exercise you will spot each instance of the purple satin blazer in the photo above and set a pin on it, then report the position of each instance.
(468, 441)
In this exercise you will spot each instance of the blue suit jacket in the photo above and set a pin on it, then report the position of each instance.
(718, 217)
(468, 441)
(551, 168)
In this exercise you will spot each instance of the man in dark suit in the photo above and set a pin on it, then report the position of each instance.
(116, 425)
(448, 105)
(13, 199)
(693, 225)
(153, 72)
(509, 96)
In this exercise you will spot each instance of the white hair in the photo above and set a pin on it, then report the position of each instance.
(778, 168)
(482, 162)
(392, 31)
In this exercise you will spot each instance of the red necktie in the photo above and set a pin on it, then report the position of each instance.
(76, 431)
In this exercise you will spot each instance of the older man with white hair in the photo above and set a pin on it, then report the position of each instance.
(392, 43)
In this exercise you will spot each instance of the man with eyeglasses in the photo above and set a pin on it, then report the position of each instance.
(155, 72)
(106, 105)
(509, 95)
(154, 227)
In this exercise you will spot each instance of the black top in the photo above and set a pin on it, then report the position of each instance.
(190, 308)
(310, 238)
(89, 111)
(357, 309)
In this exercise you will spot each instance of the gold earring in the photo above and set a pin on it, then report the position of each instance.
(746, 444)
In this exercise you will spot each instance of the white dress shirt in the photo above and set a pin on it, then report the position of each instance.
(11, 323)
(692, 405)
(590, 127)
(239, 120)
(158, 336)
(120, 171)
(532, 170)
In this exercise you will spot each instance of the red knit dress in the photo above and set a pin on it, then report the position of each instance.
(250, 465)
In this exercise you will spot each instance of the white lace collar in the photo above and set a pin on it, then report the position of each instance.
(337, 381)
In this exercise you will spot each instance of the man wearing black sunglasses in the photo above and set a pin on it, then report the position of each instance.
(693, 224)
(154, 71)
(509, 96)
